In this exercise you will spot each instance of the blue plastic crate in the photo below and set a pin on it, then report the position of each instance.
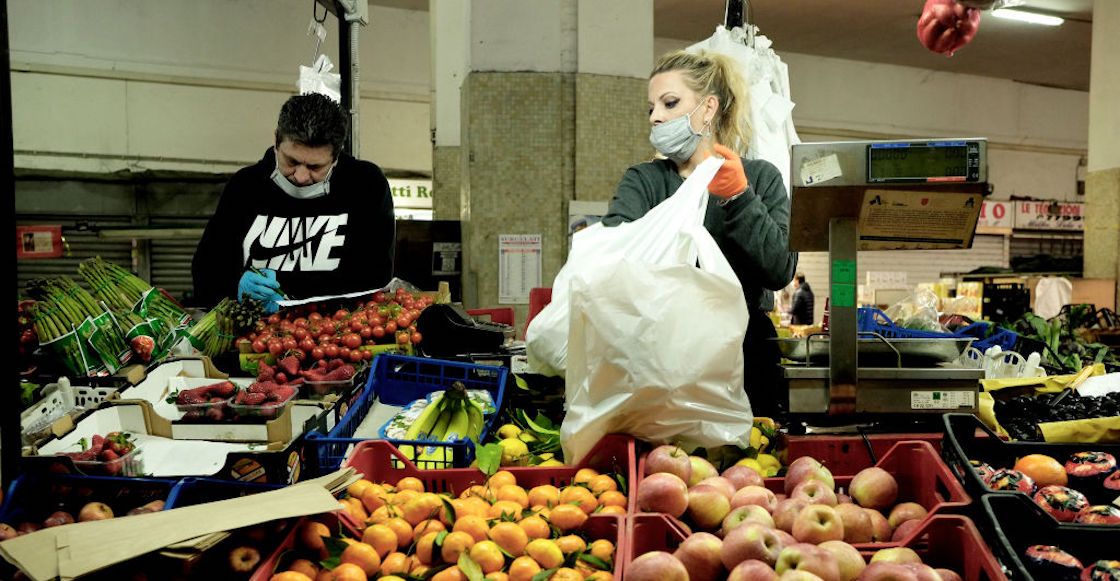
(872, 320)
(1005, 338)
(398, 380)
(33, 496)
(192, 490)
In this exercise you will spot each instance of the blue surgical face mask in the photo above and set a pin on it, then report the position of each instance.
(307, 192)
(676, 139)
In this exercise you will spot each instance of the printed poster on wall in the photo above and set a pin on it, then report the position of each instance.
(519, 267)
(1043, 215)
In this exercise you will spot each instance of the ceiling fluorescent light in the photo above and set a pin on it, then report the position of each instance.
(1031, 17)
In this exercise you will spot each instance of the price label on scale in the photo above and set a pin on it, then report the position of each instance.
(942, 400)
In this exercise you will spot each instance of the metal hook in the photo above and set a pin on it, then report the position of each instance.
(738, 13)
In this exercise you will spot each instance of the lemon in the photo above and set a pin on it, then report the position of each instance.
(508, 431)
(770, 464)
(527, 437)
(551, 462)
(547, 456)
(514, 452)
(753, 465)
(756, 438)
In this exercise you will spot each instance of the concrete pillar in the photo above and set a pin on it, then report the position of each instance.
(1102, 181)
(450, 39)
(552, 109)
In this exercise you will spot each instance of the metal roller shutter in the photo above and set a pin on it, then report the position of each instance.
(919, 265)
(171, 265)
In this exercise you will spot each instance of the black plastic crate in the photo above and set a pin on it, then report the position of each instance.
(191, 491)
(33, 496)
(1018, 523)
(1005, 301)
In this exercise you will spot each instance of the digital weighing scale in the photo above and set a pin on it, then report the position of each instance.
(880, 195)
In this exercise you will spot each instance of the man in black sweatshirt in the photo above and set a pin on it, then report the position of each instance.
(306, 220)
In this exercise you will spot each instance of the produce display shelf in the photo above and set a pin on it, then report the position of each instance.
(963, 444)
(921, 475)
(948, 541)
(33, 496)
(398, 380)
(1017, 523)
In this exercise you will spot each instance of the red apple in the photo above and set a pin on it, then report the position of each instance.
(874, 488)
(887, 571)
(750, 541)
(153, 506)
(244, 559)
(745, 514)
(663, 492)
(754, 494)
(811, 558)
(814, 491)
(707, 506)
(26, 527)
(896, 555)
(700, 555)
(795, 575)
(904, 530)
(785, 538)
(656, 566)
(786, 511)
(95, 511)
(842, 498)
(58, 518)
(848, 559)
(671, 459)
(818, 523)
(752, 570)
(722, 484)
(807, 468)
(881, 530)
(948, 574)
(7, 531)
(701, 470)
(857, 525)
(905, 511)
(923, 572)
(742, 476)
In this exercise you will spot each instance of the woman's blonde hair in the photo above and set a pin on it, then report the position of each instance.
(709, 73)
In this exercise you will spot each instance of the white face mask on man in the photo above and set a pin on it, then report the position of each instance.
(307, 192)
(676, 139)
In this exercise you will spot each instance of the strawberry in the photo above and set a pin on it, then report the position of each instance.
(280, 378)
(290, 365)
(295, 382)
(321, 363)
(215, 414)
(239, 397)
(255, 398)
(265, 368)
(266, 375)
(189, 398)
(86, 456)
(335, 364)
(222, 389)
(98, 443)
(262, 387)
(282, 393)
(341, 374)
(108, 455)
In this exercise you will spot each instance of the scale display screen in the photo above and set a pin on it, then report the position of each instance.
(930, 161)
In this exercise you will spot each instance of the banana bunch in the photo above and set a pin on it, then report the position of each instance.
(450, 417)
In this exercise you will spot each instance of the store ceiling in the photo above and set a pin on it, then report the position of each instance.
(883, 31)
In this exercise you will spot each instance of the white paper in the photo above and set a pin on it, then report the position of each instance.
(1098, 385)
(821, 170)
(519, 267)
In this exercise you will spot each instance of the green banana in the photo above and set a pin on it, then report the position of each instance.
(474, 432)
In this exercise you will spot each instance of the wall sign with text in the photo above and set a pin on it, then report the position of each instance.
(1043, 215)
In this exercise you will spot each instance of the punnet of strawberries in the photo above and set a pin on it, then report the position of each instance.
(111, 454)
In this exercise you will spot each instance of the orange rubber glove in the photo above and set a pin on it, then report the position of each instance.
(730, 179)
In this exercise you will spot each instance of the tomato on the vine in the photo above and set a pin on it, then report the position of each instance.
(378, 297)
(391, 327)
(352, 340)
(318, 353)
(343, 353)
(331, 350)
(367, 354)
(402, 321)
(275, 347)
(288, 343)
(274, 319)
(416, 337)
(356, 355)
(377, 331)
(341, 314)
(259, 346)
(366, 332)
(307, 344)
(402, 337)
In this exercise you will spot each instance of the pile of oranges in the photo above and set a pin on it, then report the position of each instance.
(508, 532)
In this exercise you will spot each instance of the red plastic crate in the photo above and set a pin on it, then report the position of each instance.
(380, 461)
(850, 454)
(942, 541)
(921, 475)
(283, 555)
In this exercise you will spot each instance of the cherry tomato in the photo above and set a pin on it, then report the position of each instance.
(318, 353)
(300, 333)
(275, 347)
(402, 338)
(356, 355)
(274, 319)
(356, 325)
(259, 346)
(300, 322)
(376, 320)
(367, 354)
(366, 332)
(314, 317)
(377, 331)
(416, 337)
(289, 343)
(307, 344)
(352, 340)
(408, 303)
(344, 353)
(341, 314)
(391, 327)
(378, 297)
(265, 336)
(402, 321)
(331, 351)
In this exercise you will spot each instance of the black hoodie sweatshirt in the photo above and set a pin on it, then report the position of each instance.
(337, 243)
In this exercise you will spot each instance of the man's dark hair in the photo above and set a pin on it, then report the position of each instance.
(800, 277)
(313, 120)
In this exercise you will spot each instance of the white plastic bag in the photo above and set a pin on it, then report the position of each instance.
(654, 343)
(318, 79)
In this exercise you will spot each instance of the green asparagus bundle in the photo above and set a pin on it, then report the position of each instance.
(123, 290)
(69, 303)
(55, 332)
(214, 333)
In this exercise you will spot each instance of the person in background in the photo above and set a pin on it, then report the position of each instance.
(801, 308)
(306, 220)
(698, 104)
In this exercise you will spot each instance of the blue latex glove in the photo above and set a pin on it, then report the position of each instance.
(263, 287)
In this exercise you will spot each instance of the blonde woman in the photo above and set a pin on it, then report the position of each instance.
(698, 106)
